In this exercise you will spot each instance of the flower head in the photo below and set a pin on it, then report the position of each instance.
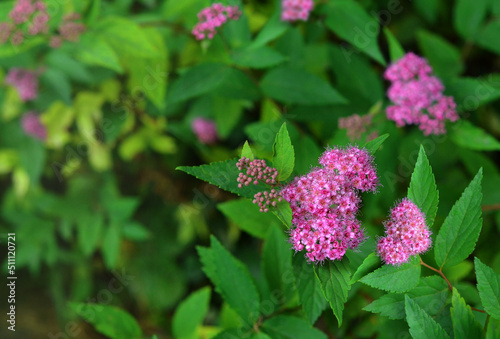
(293, 10)
(406, 232)
(205, 130)
(32, 126)
(25, 81)
(213, 17)
(417, 96)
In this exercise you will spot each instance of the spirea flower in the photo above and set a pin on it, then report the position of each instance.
(417, 96)
(25, 81)
(406, 232)
(325, 202)
(293, 10)
(32, 126)
(205, 130)
(210, 18)
(25, 11)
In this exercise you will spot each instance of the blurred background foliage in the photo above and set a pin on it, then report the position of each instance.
(100, 197)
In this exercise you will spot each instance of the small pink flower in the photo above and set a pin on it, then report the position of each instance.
(205, 130)
(25, 81)
(213, 17)
(293, 10)
(407, 234)
(32, 126)
(418, 96)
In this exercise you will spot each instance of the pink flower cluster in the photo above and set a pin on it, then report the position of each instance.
(406, 232)
(293, 10)
(205, 130)
(325, 202)
(356, 125)
(26, 83)
(69, 30)
(418, 96)
(212, 17)
(255, 171)
(34, 12)
(32, 126)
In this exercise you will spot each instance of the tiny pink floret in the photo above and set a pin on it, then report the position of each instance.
(210, 18)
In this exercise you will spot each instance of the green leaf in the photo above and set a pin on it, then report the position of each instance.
(59, 83)
(421, 324)
(287, 327)
(465, 324)
(460, 230)
(248, 217)
(227, 114)
(309, 289)
(284, 213)
(428, 9)
(224, 175)
(422, 190)
(93, 49)
(373, 145)
(273, 29)
(93, 13)
(469, 16)
(395, 278)
(488, 284)
(493, 330)
(470, 93)
(89, 231)
(469, 136)
(368, 264)
(109, 320)
(334, 278)
(349, 20)
(235, 283)
(488, 37)
(284, 155)
(431, 294)
(190, 314)
(277, 264)
(135, 231)
(295, 86)
(246, 151)
(396, 52)
(111, 245)
(262, 57)
(444, 57)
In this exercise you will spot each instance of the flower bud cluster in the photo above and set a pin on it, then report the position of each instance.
(213, 17)
(406, 232)
(32, 126)
(267, 199)
(356, 125)
(325, 202)
(293, 10)
(418, 96)
(205, 130)
(69, 30)
(25, 11)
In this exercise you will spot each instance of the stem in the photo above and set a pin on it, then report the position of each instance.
(486, 323)
(493, 207)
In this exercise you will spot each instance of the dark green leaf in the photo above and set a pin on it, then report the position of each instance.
(261, 57)
(468, 17)
(469, 136)
(465, 324)
(190, 313)
(421, 324)
(488, 284)
(395, 278)
(396, 52)
(460, 230)
(334, 277)
(287, 327)
(284, 155)
(111, 245)
(444, 57)
(368, 264)
(273, 29)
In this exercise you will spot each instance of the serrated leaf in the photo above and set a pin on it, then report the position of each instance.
(431, 294)
(396, 279)
(277, 264)
(334, 278)
(284, 155)
(190, 313)
(421, 324)
(287, 327)
(223, 174)
(460, 230)
(309, 289)
(423, 191)
(235, 283)
(247, 216)
(109, 320)
(246, 151)
(368, 264)
(465, 324)
(469, 136)
(283, 212)
(373, 145)
(396, 52)
(488, 284)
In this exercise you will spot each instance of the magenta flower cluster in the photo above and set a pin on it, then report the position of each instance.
(25, 81)
(32, 126)
(325, 202)
(293, 10)
(33, 12)
(210, 18)
(69, 30)
(406, 232)
(418, 96)
(205, 130)
(255, 171)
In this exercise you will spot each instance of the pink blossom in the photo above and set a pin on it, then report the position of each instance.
(25, 11)
(205, 130)
(325, 202)
(293, 10)
(22, 11)
(417, 96)
(213, 17)
(25, 81)
(32, 126)
(406, 232)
